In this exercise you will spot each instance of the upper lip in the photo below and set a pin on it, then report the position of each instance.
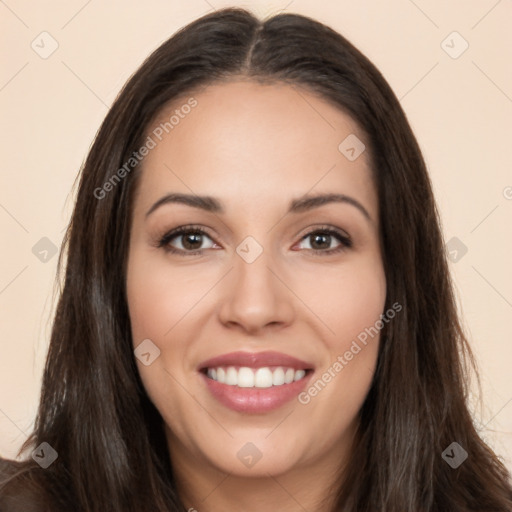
(256, 360)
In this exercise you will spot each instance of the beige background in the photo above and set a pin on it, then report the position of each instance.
(460, 109)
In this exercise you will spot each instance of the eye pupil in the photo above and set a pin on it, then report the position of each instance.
(195, 237)
(321, 237)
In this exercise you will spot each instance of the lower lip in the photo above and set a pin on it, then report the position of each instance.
(255, 400)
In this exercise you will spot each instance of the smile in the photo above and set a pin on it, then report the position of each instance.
(245, 377)
(257, 382)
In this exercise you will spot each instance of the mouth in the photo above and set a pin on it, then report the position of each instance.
(255, 382)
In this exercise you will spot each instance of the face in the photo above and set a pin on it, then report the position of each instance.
(255, 309)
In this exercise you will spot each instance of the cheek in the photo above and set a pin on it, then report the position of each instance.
(158, 297)
(161, 304)
(348, 300)
(350, 306)
(155, 306)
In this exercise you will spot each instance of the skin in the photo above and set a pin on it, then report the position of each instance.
(255, 147)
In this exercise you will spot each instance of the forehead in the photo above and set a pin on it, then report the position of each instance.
(256, 142)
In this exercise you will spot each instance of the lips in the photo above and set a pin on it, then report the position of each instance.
(256, 360)
(255, 382)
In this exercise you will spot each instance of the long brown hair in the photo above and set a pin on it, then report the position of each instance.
(94, 411)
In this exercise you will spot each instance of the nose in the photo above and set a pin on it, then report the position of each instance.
(256, 296)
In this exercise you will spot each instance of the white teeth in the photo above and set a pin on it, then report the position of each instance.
(299, 374)
(263, 378)
(278, 377)
(221, 375)
(246, 377)
(231, 376)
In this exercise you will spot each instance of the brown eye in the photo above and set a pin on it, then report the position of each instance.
(321, 241)
(191, 241)
(188, 240)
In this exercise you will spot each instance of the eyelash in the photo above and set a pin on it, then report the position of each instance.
(345, 242)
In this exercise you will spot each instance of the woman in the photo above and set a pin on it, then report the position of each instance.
(310, 356)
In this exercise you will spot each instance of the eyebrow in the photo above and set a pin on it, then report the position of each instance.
(298, 205)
